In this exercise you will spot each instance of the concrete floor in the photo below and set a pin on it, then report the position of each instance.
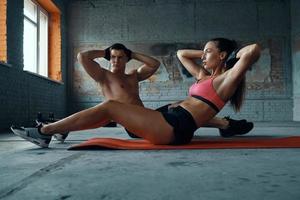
(28, 172)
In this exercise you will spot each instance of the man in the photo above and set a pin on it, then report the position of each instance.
(123, 87)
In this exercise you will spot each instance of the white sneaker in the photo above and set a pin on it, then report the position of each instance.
(59, 136)
(32, 135)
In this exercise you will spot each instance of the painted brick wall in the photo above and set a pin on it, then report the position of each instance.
(23, 94)
(175, 24)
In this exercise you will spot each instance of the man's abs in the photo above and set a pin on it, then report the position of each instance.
(124, 98)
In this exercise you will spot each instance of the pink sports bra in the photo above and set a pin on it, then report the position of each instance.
(205, 92)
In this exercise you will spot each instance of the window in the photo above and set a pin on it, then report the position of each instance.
(42, 38)
(35, 40)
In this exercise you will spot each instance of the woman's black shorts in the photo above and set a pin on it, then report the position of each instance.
(182, 122)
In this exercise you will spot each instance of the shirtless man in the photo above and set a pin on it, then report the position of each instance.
(123, 87)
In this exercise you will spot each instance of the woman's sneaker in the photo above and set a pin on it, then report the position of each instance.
(59, 136)
(236, 127)
(32, 135)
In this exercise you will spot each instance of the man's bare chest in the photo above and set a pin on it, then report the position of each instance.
(119, 84)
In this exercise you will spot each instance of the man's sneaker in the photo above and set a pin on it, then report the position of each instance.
(236, 127)
(59, 137)
(32, 135)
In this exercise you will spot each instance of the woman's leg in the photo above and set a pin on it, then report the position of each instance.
(146, 123)
(217, 122)
(85, 119)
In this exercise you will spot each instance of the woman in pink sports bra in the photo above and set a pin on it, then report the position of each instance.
(220, 79)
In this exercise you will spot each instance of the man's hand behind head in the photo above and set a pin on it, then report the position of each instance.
(117, 46)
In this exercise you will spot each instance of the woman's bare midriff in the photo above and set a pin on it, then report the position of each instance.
(200, 111)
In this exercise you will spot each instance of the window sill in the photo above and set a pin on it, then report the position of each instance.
(4, 64)
(46, 78)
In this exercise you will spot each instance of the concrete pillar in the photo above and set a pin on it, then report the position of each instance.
(295, 44)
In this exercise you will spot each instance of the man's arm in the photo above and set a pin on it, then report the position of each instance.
(148, 68)
(187, 58)
(86, 59)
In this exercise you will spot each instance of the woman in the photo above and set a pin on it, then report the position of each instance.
(176, 126)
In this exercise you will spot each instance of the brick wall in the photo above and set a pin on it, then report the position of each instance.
(171, 25)
(23, 94)
(14, 33)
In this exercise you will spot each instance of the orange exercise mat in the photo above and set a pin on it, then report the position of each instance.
(201, 143)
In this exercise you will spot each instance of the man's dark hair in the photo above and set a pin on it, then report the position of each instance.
(117, 46)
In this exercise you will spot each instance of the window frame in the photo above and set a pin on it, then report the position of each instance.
(3, 33)
(37, 26)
